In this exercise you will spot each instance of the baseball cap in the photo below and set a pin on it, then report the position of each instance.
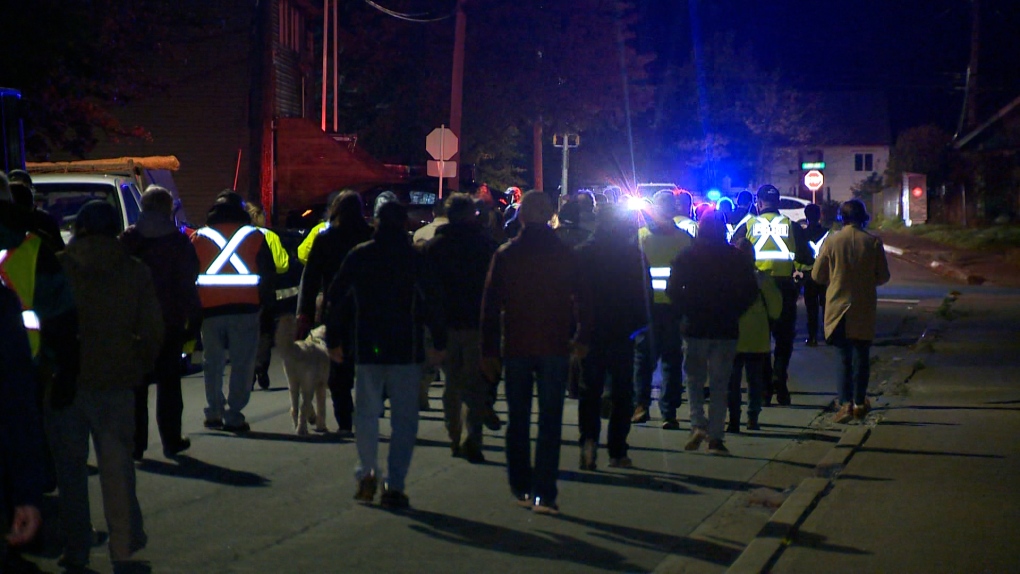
(768, 192)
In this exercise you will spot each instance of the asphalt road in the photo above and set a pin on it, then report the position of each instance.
(270, 501)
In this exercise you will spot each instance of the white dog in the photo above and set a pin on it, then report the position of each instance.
(306, 364)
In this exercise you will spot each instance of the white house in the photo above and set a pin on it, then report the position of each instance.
(852, 141)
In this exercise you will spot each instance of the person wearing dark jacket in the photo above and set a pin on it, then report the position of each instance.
(814, 294)
(347, 228)
(29, 267)
(121, 332)
(40, 222)
(534, 304)
(21, 438)
(236, 278)
(382, 294)
(460, 254)
(611, 265)
(170, 257)
(711, 284)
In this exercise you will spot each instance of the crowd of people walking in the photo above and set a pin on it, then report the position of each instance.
(584, 300)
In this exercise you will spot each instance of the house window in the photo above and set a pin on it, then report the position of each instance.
(864, 162)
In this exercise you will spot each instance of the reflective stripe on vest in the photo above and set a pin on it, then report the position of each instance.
(287, 293)
(17, 273)
(228, 252)
(660, 277)
(731, 229)
(778, 230)
(31, 320)
(816, 246)
(686, 224)
(660, 249)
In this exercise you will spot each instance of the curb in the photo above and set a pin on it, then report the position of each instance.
(766, 548)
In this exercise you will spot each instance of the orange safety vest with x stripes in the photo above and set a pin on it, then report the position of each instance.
(17, 273)
(229, 273)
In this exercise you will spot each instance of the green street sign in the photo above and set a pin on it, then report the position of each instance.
(812, 165)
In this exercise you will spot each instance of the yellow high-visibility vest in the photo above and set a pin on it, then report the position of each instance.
(660, 249)
(771, 235)
(17, 273)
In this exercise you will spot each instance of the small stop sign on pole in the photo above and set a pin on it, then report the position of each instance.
(441, 144)
(813, 180)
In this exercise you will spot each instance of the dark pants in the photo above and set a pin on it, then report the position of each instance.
(267, 330)
(753, 364)
(855, 371)
(341, 383)
(523, 374)
(783, 330)
(169, 404)
(814, 303)
(614, 362)
(661, 341)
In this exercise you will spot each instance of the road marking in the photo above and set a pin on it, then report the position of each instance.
(893, 250)
(899, 301)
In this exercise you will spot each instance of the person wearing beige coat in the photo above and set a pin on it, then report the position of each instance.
(852, 263)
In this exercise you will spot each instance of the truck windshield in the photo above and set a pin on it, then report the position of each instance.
(64, 200)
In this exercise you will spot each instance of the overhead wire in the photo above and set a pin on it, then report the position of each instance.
(421, 18)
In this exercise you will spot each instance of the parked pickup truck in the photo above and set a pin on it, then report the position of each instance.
(63, 187)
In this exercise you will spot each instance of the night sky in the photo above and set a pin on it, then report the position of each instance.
(916, 52)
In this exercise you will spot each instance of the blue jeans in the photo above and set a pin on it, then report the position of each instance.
(238, 335)
(523, 374)
(400, 382)
(855, 370)
(661, 340)
(708, 362)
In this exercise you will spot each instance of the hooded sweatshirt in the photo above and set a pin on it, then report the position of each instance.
(120, 322)
(171, 259)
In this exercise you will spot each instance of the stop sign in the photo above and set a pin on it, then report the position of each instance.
(441, 144)
(814, 180)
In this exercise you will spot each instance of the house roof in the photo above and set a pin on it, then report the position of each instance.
(852, 118)
(982, 132)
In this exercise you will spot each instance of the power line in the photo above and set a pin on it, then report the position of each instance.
(421, 18)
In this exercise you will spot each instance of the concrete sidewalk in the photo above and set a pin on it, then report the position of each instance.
(932, 487)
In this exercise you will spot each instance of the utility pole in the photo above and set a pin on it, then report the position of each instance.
(568, 141)
(538, 140)
(972, 68)
(457, 88)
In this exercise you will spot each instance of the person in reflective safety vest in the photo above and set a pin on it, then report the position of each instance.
(236, 274)
(17, 273)
(660, 241)
(779, 245)
(814, 294)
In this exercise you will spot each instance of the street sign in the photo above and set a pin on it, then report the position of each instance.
(812, 165)
(441, 144)
(449, 168)
(813, 180)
